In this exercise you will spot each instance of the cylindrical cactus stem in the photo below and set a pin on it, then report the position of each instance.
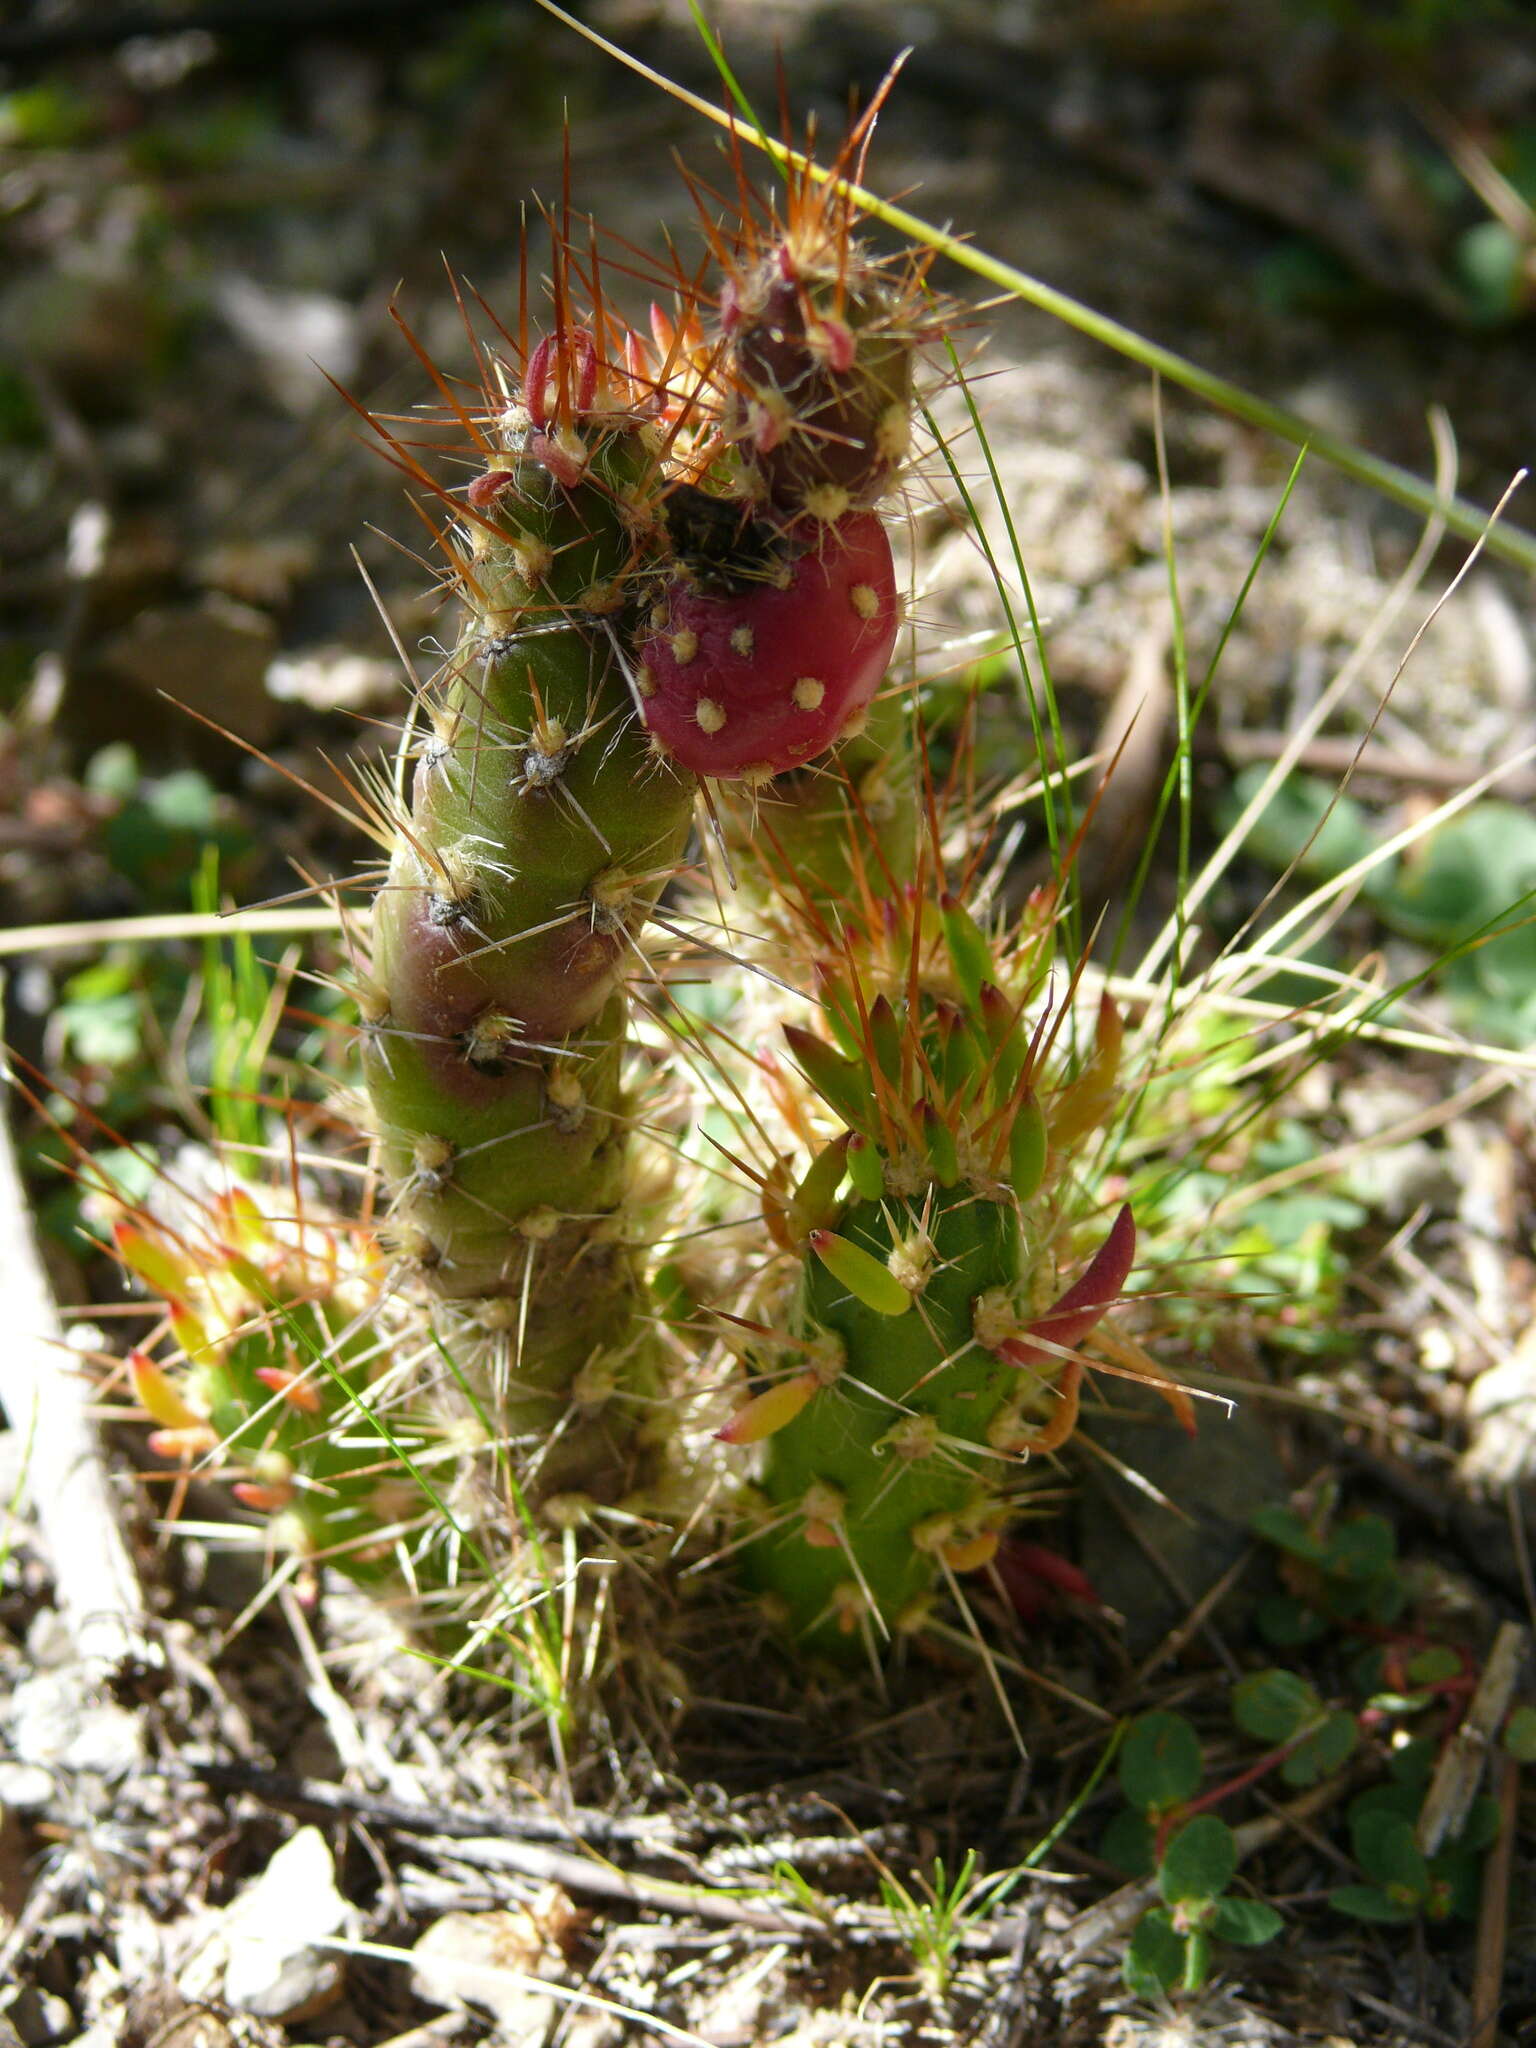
(898, 1439)
(542, 828)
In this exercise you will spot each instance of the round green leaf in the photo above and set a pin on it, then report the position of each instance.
(1323, 1751)
(1369, 1902)
(1274, 1705)
(1427, 1667)
(1283, 1527)
(1199, 1862)
(1305, 824)
(1385, 1849)
(1520, 1735)
(1154, 1961)
(1362, 1549)
(1159, 1762)
(1245, 1922)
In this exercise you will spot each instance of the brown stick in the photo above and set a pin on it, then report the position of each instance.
(95, 1584)
(1493, 1913)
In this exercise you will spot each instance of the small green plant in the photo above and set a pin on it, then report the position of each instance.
(1171, 1947)
(1194, 1856)
(932, 1918)
(1402, 1882)
(1465, 889)
(1334, 1572)
(1344, 1578)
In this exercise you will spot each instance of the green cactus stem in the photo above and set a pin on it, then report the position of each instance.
(541, 830)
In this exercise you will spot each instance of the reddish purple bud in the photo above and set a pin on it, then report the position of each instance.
(1096, 1289)
(1037, 1580)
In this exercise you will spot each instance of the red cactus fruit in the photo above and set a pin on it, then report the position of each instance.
(755, 681)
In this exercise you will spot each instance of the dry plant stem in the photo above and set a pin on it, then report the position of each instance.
(96, 1585)
(1493, 1914)
(1465, 1757)
(106, 931)
(1330, 757)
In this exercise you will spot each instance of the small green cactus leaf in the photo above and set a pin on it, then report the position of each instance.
(970, 954)
(769, 1411)
(885, 1038)
(939, 1144)
(865, 1277)
(866, 1167)
(1027, 1148)
(814, 1205)
(841, 1083)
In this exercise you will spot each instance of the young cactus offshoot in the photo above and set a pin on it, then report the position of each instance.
(930, 1342)
(272, 1367)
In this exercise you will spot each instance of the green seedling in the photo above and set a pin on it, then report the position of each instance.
(932, 1915)
(1171, 1947)
(1402, 1883)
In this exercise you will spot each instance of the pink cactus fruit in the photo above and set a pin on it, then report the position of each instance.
(757, 681)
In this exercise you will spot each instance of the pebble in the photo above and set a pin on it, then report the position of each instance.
(486, 1960)
(260, 1956)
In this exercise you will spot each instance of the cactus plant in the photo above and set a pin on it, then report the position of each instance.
(541, 830)
(278, 1371)
(670, 567)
